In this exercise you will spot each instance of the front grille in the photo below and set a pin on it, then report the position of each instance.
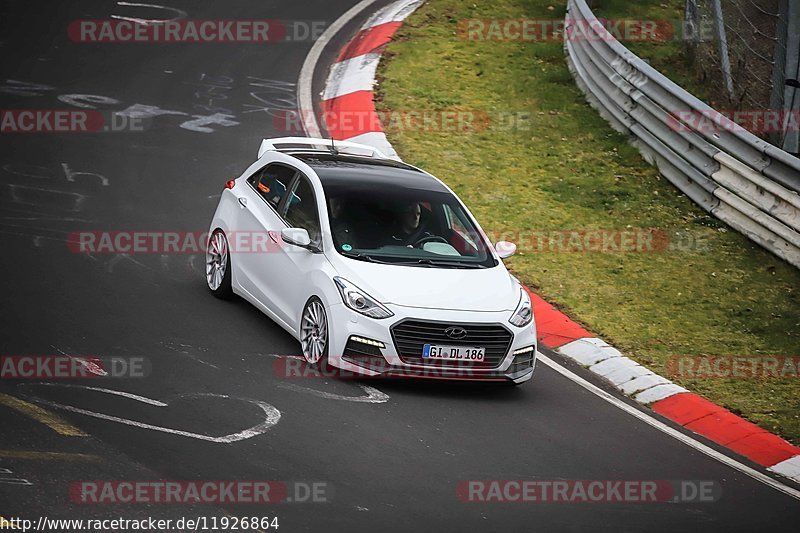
(410, 336)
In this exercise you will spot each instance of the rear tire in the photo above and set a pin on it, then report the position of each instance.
(218, 266)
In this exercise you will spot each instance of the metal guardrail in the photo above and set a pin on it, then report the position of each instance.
(744, 181)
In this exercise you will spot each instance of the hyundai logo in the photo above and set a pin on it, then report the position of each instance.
(455, 332)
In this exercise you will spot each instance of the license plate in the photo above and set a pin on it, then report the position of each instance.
(453, 353)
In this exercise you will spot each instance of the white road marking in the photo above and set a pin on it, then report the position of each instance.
(275, 355)
(373, 394)
(7, 479)
(129, 395)
(70, 175)
(672, 432)
(78, 199)
(271, 415)
(87, 101)
(147, 22)
(90, 366)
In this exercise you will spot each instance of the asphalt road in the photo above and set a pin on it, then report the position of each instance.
(390, 464)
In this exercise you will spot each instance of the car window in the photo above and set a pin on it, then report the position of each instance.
(403, 225)
(301, 209)
(272, 181)
(457, 222)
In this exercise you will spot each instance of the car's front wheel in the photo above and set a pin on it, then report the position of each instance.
(218, 265)
(314, 333)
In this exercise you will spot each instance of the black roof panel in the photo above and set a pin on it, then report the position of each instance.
(341, 170)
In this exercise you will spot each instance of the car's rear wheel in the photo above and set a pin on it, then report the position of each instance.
(314, 333)
(218, 265)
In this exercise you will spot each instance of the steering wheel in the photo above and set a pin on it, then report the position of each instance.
(429, 238)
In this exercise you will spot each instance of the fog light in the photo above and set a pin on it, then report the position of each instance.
(522, 351)
(368, 342)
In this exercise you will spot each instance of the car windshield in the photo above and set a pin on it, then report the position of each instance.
(409, 226)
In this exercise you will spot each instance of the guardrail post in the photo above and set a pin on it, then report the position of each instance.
(722, 38)
(779, 68)
(791, 98)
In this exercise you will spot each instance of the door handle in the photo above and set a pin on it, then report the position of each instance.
(243, 201)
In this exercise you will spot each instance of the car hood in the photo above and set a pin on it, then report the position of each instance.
(479, 289)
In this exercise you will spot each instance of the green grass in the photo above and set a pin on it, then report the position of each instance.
(568, 170)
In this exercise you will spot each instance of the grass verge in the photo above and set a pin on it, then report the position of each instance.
(709, 292)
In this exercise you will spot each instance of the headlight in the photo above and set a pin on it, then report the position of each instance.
(524, 312)
(360, 301)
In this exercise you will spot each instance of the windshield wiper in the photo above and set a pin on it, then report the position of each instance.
(423, 262)
(448, 264)
(365, 257)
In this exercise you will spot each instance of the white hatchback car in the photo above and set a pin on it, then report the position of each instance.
(375, 266)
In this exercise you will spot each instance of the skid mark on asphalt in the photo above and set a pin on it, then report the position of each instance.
(271, 414)
(186, 349)
(35, 197)
(42, 416)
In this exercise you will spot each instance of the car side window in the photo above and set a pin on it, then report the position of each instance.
(271, 182)
(301, 209)
(460, 236)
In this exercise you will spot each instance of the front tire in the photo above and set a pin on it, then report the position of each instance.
(218, 266)
(314, 333)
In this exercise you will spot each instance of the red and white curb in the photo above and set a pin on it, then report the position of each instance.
(348, 92)
(347, 101)
(669, 400)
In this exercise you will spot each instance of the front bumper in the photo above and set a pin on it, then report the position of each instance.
(385, 361)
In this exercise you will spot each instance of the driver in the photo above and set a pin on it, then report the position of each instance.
(406, 230)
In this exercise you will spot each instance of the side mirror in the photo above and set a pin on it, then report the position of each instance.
(297, 237)
(505, 249)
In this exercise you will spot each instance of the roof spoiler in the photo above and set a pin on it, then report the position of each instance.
(285, 144)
